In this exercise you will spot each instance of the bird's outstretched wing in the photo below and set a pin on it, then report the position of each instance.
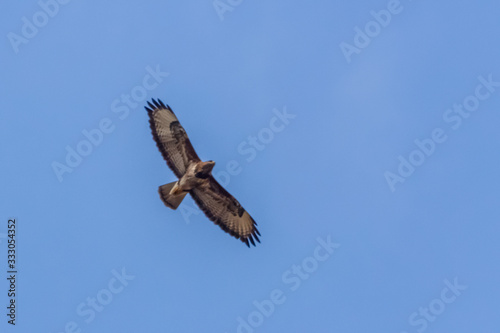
(225, 211)
(171, 138)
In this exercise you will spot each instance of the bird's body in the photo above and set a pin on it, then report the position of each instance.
(196, 174)
(195, 177)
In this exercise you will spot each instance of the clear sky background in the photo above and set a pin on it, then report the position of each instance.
(361, 88)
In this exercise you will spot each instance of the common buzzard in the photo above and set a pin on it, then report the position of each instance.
(195, 177)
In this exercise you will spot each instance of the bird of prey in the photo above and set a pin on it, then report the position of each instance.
(195, 177)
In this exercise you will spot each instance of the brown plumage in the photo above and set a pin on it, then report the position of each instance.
(195, 177)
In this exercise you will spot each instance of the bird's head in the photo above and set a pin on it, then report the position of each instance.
(204, 169)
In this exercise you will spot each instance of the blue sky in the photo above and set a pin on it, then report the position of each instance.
(361, 136)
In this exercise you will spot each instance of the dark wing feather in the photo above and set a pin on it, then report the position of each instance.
(171, 138)
(225, 211)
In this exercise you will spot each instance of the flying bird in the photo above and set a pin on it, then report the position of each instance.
(195, 177)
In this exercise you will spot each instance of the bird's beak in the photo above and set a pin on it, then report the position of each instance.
(208, 166)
